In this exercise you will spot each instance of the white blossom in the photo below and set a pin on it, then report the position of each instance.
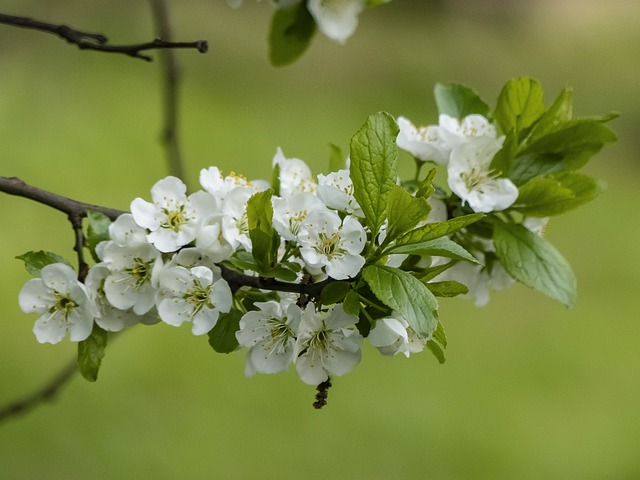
(133, 275)
(327, 344)
(173, 219)
(63, 302)
(270, 334)
(393, 335)
(107, 316)
(289, 212)
(295, 175)
(235, 223)
(424, 143)
(328, 242)
(470, 177)
(337, 19)
(197, 295)
(336, 191)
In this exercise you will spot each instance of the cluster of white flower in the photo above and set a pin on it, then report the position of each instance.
(161, 263)
(466, 148)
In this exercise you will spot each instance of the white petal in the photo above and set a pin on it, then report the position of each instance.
(337, 19)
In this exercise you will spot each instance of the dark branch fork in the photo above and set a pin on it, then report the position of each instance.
(98, 41)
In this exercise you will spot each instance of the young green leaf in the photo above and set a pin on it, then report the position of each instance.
(336, 159)
(431, 231)
(458, 101)
(551, 195)
(97, 231)
(534, 262)
(222, 337)
(449, 288)
(374, 158)
(568, 148)
(519, 105)
(558, 114)
(334, 292)
(91, 353)
(292, 29)
(442, 247)
(264, 239)
(437, 351)
(405, 212)
(35, 261)
(440, 336)
(351, 303)
(404, 293)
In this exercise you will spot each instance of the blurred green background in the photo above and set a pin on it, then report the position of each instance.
(529, 391)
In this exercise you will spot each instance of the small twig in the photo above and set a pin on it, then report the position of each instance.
(98, 41)
(171, 82)
(75, 211)
(44, 394)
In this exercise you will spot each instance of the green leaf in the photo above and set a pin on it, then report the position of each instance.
(568, 148)
(534, 262)
(222, 337)
(404, 293)
(275, 180)
(336, 158)
(351, 303)
(431, 231)
(97, 231)
(449, 288)
(34, 261)
(334, 292)
(503, 160)
(264, 239)
(91, 353)
(243, 260)
(458, 101)
(558, 114)
(442, 247)
(519, 105)
(440, 336)
(281, 273)
(374, 158)
(437, 351)
(546, 196)
(291, 32)
(405, 212)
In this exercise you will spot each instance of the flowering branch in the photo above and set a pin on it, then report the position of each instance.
(98, 41)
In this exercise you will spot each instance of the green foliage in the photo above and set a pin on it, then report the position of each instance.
(534, 262)
(405, 211)
(431, 231)
(550, 195)
(97, 231)
(448, 288)
(334, 292)
(404, 293)
(442, 247)
(91, 353)
(374, 157)
(336, 158)
(459, 101)
(519, 105)
(222, 337)
(34, 261)
(291, 32)
(264, 239)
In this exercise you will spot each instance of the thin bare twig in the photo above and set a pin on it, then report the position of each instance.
(98, 41)
(44, 394)
(171, 83)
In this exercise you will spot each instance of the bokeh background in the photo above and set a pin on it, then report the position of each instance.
(530, 390)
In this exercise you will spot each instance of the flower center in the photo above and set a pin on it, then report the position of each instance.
(199, 297)
(62, 304)
(280, 334)
(477, 179)
(140, 271)
(330, 245)
(174, 218)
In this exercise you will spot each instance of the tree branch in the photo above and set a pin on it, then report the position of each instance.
(44, 394)
(98, 41)
(171, 81)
